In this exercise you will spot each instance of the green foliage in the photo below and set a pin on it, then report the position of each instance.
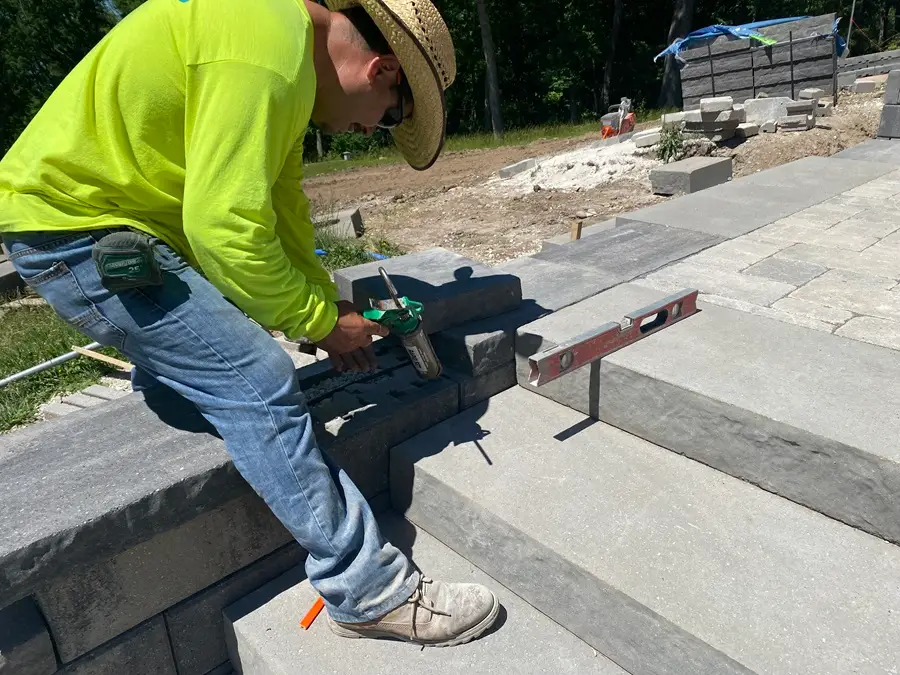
(550, 55)
(40, 42)
(32, 335)
(671, 143)
(340, 253)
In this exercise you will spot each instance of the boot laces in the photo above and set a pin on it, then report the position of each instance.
(418, 599)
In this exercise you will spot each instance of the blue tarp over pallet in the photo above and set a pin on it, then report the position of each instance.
(747, 30)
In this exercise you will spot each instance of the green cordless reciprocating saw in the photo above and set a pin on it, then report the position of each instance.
(404, 319)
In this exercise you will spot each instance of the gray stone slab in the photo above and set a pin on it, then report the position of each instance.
(794, 272)
(9, 278)
(25, 646)
(690, 175)
(811, 94)
(801, 108)
(358, 425)
(661, 563)
(889, 126)
(346, 224)
(58, 409)
(196, 627)
(518, 167)
(91, 604)
(478, 388)
(144, 650)
(104, 393)
(761, 110)
(265, 639)
(137, 475)
(864, 86)
(631, 249)
(746, 204)
(454, 289)
(879, 150)
(892, 88)
(587, 231)
(747, 395)
(82, 400)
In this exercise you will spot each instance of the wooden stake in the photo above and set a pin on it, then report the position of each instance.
(121, 365)
(576, 230)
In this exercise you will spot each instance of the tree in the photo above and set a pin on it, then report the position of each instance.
(682, 18)
(40, 42)
(490, 58)
(610, 58)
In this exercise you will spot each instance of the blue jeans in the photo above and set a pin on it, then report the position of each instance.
(185, 335)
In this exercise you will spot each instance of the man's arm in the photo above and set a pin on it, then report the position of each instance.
(241, 123)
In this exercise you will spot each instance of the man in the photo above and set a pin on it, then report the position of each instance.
(185, 126)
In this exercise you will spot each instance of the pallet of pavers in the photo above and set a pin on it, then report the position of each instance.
(716, 494)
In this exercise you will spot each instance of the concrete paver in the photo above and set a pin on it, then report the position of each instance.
(614, 526)
(840, 258)
(265, 639)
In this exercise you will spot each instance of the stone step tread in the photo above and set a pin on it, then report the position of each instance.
(81, 400)
(265, 638)
(771, 584)
(58, 409)
(104, 393)
(806, 414)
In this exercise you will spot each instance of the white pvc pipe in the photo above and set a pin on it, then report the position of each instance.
(46, 365)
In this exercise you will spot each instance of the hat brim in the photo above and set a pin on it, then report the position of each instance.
(420, 138)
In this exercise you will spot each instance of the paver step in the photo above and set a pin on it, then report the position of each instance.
(661, 563)
(806, 414)
(265, 638)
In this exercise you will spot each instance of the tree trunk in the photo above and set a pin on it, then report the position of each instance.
(611, 56)
(490, 58)
(320, 151)
(682, 18)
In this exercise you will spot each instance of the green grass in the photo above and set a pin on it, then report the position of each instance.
(31, 335)
(342, 253)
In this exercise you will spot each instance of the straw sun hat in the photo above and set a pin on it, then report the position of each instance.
(419, 38)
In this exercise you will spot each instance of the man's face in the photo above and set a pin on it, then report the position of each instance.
(369, 92)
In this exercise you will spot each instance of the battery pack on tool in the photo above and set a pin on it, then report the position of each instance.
(125, 260)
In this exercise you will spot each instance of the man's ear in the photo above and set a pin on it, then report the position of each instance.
(384, 66)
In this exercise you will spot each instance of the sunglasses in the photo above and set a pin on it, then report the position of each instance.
(394, 115)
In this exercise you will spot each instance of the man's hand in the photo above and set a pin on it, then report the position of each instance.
(349, 345)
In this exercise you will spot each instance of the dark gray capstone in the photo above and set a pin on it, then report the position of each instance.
(359, 424)
(690, 175)
(879, 150)
(889, 127)
(892, 88)
(92, 604)
(630, 250)
(144, 650)
(195, 626)
(484, 346)
(25, 647)
(453, 288)
(478, 388)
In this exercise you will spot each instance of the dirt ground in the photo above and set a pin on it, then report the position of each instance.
(461, 204)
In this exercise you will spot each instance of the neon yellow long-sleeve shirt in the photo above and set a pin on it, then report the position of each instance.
(187, 122)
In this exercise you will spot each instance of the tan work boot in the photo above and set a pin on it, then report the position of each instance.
(435, 615)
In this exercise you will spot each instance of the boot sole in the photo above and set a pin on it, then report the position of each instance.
(467, 636)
